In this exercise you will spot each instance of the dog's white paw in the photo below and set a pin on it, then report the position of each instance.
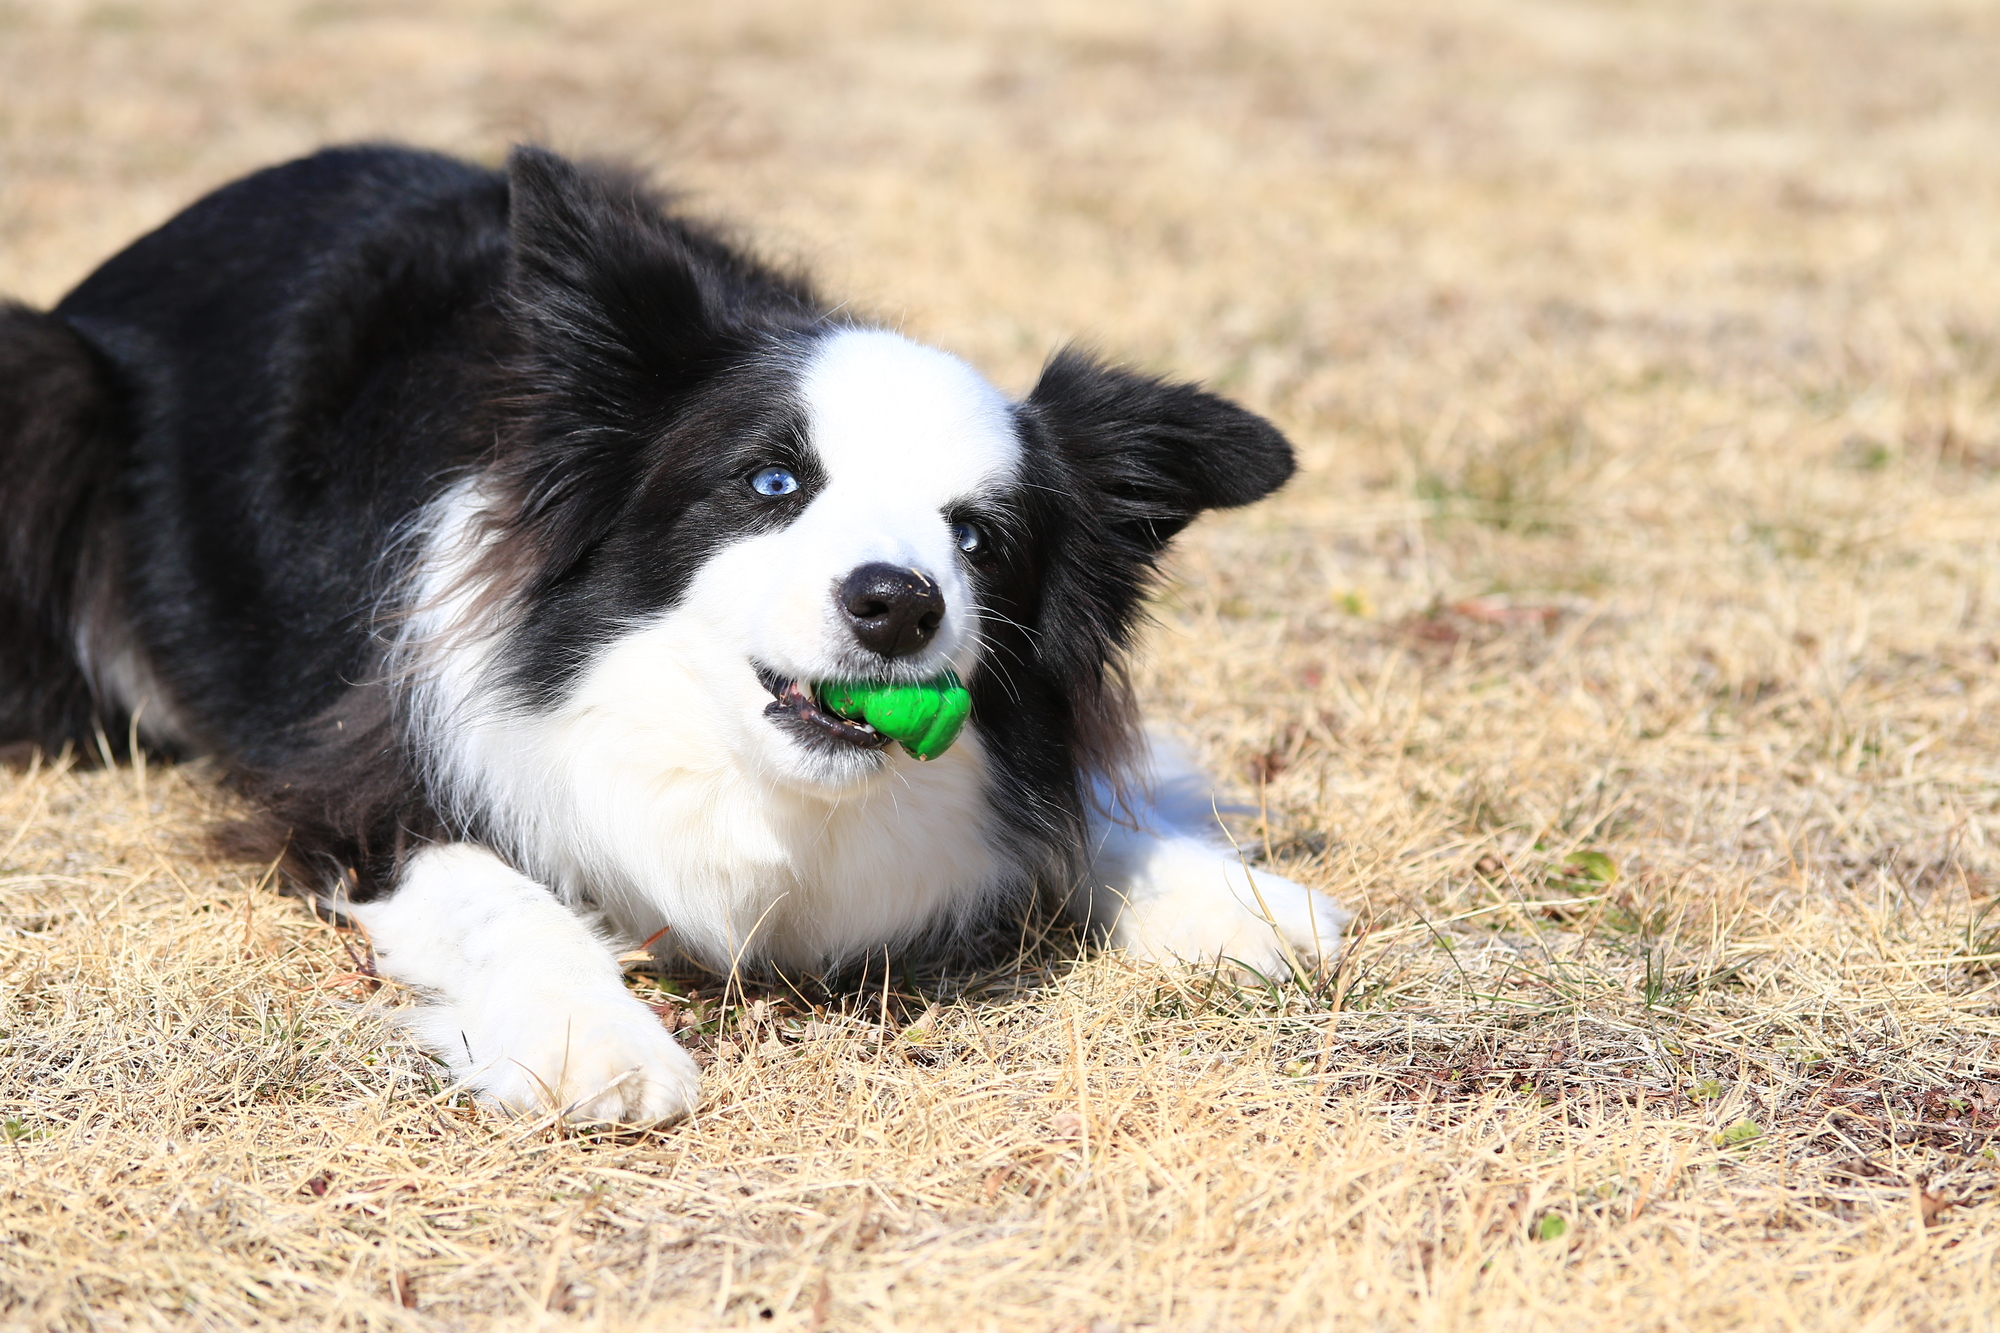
(523, 1002)
(1193, 903)
(597, 1058)
(1311, 923)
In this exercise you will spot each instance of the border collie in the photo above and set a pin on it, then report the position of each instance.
(500, 532)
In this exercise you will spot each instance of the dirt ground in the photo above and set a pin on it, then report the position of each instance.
(1625, 655)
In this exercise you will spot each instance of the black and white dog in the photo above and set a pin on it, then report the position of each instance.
(497, 529)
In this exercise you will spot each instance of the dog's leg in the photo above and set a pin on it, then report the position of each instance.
(1164, 883)
(521, 999)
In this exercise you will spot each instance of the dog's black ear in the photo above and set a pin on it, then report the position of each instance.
(1154, 454)
(622, 313)
(618, 295)
(1134, 460)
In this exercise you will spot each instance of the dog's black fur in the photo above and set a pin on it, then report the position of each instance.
(211, 453)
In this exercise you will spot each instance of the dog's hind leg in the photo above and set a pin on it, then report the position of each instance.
(522, 1001)
(61, 438)
(1162, 881)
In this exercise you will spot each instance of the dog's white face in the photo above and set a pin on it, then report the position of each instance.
(869, 580)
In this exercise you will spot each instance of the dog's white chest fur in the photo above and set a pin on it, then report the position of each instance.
(660, 817)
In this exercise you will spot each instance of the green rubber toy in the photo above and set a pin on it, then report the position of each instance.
(924, 719)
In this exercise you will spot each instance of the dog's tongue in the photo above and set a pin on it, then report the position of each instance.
(924, 719)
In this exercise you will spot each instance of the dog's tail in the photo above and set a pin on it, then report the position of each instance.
(61, 429)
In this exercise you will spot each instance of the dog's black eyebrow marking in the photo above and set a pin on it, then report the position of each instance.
(792, 436)
(780, 434)
(794, 431)
(787, 440)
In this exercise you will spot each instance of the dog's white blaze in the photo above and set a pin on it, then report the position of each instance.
(903, 421)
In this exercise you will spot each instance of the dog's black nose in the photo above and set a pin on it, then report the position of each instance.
(894, 611)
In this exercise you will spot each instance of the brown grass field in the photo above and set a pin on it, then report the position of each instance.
(1627, 655)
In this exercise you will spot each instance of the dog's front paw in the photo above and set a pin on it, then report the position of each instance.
(596, 1059)
(1309, 922)
(1196, 904)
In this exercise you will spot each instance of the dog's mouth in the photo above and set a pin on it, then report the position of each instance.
(794, 708)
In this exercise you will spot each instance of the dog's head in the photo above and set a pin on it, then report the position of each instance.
(727, 499)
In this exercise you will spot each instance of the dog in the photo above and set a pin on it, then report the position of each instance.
(500, 532)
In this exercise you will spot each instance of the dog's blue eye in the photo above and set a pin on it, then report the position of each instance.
(969, 538)
(773, 481)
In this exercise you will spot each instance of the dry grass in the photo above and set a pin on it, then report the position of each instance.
(1646, 360)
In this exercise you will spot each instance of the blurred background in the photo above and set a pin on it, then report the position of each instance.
(1346, 211)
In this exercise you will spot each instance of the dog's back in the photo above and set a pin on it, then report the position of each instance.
(281, 338)
(131, 414)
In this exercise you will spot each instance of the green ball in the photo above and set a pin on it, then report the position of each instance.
(924, 719)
